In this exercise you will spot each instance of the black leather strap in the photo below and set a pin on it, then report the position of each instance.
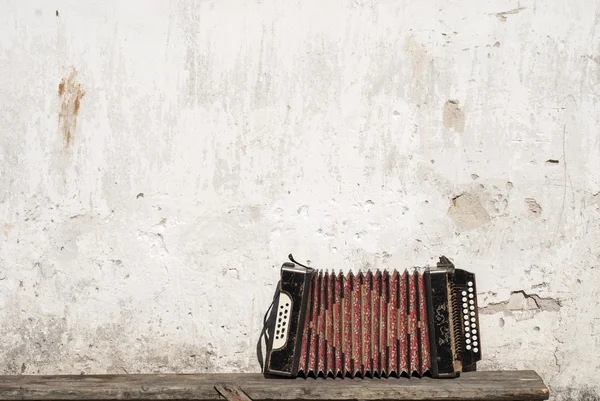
(265, 333)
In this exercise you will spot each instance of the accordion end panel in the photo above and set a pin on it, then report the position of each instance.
(454, 320)
(285, 324)
(374, 324)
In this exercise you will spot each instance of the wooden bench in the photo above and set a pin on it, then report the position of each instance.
(503, 385)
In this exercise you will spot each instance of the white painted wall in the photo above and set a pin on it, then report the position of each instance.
(142, 230)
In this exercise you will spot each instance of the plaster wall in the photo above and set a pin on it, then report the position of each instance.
(160, 159)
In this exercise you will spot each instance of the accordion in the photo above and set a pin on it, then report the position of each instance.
(373, 324)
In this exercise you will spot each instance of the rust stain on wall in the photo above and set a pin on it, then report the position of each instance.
(70, 94)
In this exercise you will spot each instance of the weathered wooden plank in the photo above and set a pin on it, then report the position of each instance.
(502, 385)
(232, 393)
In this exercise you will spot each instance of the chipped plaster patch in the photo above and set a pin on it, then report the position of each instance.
(522, 306)
(467, 211)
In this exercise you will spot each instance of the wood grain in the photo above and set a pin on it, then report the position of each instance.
(231, 393)
(499, 385)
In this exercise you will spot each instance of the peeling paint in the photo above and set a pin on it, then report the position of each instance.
(534, 209)
(522, 306)
(502, 16)
(467, 211)
(453, 116)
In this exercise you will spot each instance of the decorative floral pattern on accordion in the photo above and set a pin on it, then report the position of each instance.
(389, 331)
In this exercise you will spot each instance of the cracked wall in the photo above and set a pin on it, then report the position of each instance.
(159, 163)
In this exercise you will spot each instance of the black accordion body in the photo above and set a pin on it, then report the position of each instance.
(377, 324)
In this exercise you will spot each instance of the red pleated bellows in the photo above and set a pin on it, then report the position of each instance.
(366, 325)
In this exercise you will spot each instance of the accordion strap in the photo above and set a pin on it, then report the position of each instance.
(291, 257)
(264, 333)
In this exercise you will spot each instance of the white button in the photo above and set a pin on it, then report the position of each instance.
(466, 317)
(467, 335)
(474, 331)
(464, 293)
(468, 341)
(475, 338)
(466, 323)
(471, 302)
(467, 328)
(475, 343)
(472, 313)
(473, 325)
(470, 283)
(468, 347)
(471, 296)
(476, 350)
(465, 305)
(465, 311)
(472, 307)
(470, 289)
(464, 299)
(473, 319)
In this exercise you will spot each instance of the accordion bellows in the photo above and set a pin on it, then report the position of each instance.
(374, 324)
(347, 334)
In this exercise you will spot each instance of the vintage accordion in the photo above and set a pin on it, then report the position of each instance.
(374, 324)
